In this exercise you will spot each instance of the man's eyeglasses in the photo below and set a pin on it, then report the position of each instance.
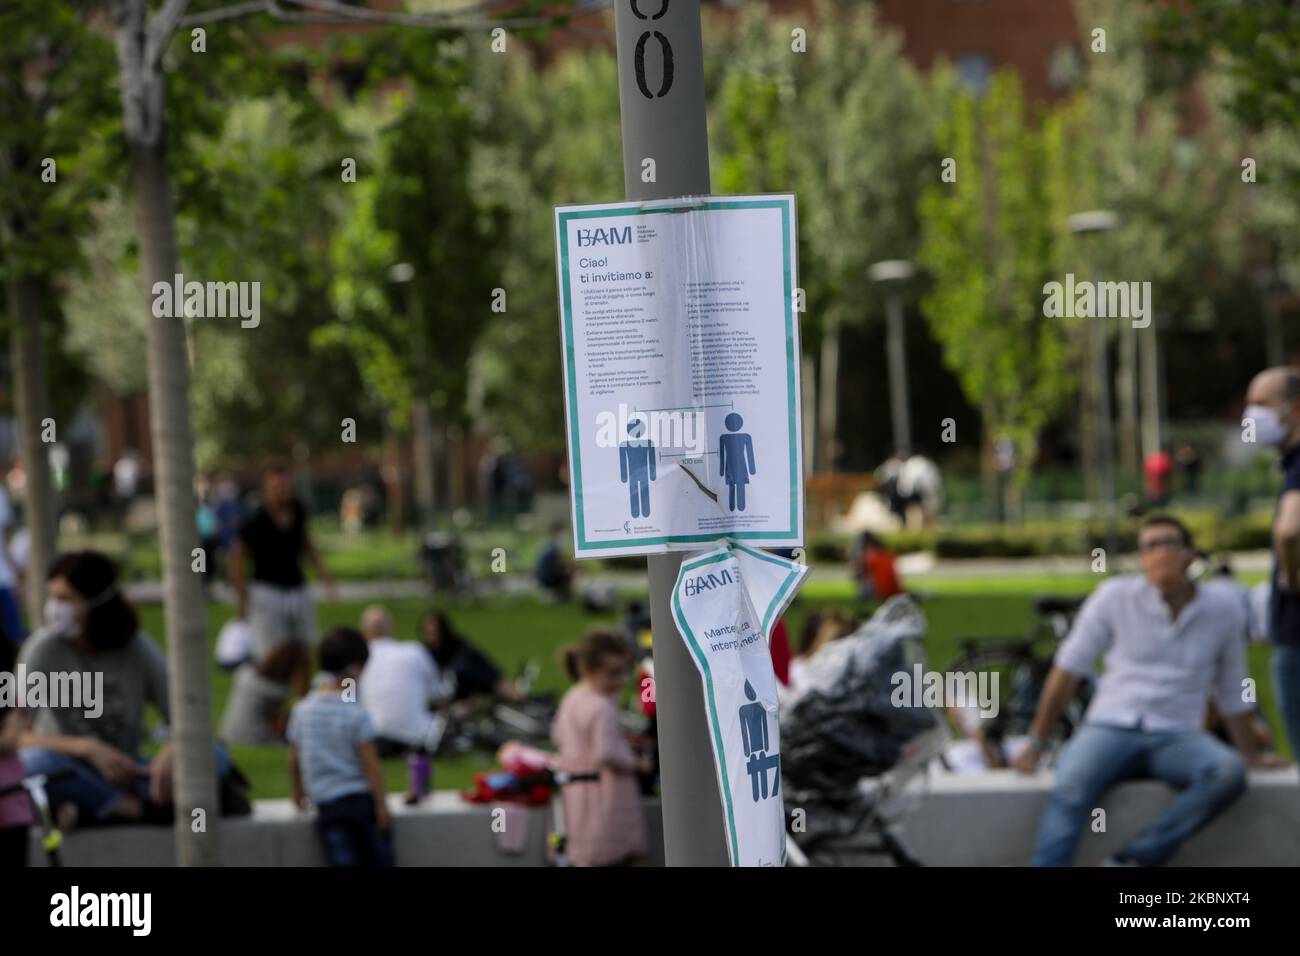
(1157, 544)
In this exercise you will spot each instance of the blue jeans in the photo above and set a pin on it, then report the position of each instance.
(94, 796)
(1209, 774)
(351, 836)
(1286, 682)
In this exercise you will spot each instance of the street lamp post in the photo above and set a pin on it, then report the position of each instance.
(892, 273)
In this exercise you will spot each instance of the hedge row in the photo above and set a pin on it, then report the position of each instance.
(1048, 539)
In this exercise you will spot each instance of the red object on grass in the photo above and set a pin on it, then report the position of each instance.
(879, 566)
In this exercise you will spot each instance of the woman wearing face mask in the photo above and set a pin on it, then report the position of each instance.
(91, 647)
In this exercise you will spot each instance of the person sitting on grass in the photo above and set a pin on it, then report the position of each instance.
(255, 710)
(399, 682)
(334, 762)
(1169, 644)
(603, 817)
(466, 671)
(91, 629)
(554, 571)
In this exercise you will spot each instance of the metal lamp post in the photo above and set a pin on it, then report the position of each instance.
(892, 273)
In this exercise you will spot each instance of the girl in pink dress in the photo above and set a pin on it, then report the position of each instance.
(603, 817)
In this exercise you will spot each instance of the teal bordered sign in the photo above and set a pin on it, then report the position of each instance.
(681, 373)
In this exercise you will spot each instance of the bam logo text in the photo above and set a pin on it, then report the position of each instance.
(605, 237)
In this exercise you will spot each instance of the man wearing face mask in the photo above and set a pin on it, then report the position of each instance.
(1273, 405)
(92, 630)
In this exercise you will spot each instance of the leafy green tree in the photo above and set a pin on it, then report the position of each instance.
(55, 103)
(166, 91)
(277, 195)
(418, 207)
(1126, 145)
(1256, 42)
(551, 138)
(844, 126)
(988, 246)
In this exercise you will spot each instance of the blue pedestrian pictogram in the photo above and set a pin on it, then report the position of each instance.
(636, 468)
(754, 738)
(736, 461)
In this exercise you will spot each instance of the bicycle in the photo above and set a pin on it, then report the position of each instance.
(1022, 665)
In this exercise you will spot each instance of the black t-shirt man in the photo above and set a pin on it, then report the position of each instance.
(276, 550)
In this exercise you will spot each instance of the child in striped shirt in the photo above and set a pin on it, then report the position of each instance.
(334, 762)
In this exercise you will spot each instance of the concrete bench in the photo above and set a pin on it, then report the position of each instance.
(991, 819)
(976, 819)
(442, 831)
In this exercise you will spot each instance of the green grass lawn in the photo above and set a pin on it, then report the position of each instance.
(375, 554)
(514, 631)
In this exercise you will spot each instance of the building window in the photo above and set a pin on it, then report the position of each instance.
(1065, 67)
(974, 70)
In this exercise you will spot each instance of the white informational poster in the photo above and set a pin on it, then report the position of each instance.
(681, 373)
(725, 603)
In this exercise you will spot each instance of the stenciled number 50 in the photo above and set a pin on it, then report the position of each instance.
(664, 46)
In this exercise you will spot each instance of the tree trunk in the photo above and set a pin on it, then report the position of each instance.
(988, 465)
(392, 474)
(807, 388)
(422, 454)
(32, 406)
(829, 391)
(456, 462)
(1088, 428)
(1152, 437)
(173, 452)
(1127, 395)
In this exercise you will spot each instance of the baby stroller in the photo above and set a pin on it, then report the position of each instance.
(848, 753)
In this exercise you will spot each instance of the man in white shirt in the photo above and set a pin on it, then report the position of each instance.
(1169, 644)
(398, 682)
